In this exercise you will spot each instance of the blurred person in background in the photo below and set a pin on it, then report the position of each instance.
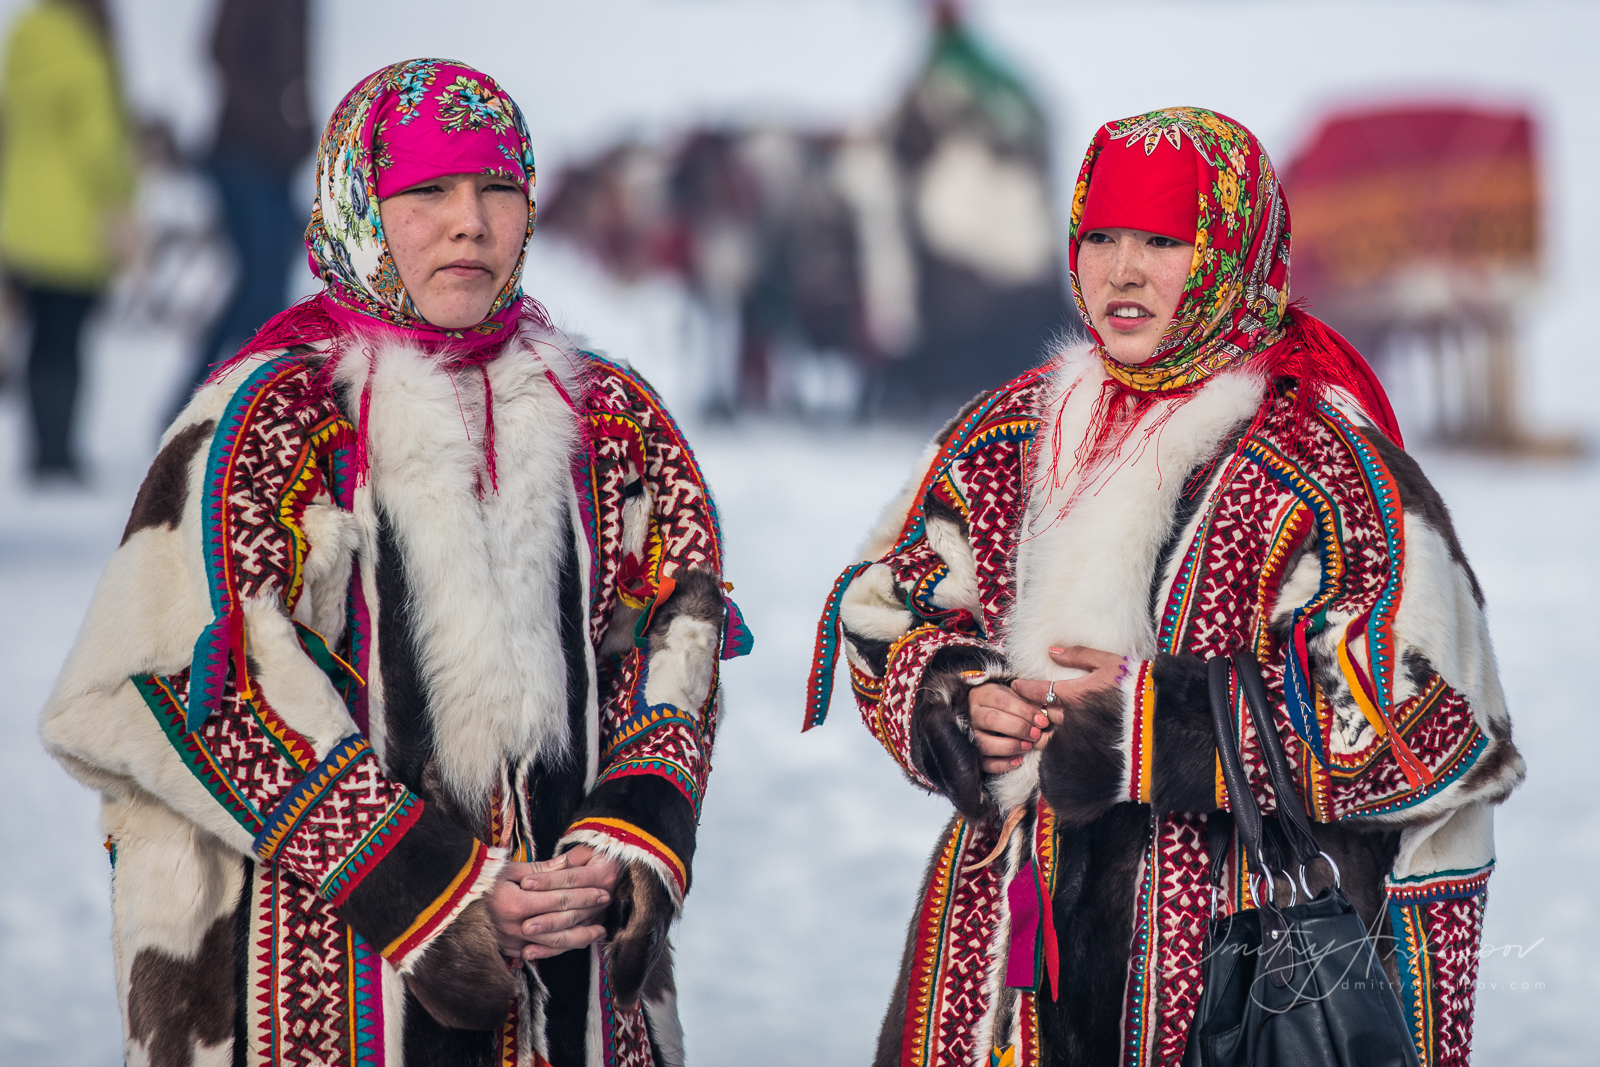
(401, 688)
(1033, 629)
(264, 133)
(66, 179)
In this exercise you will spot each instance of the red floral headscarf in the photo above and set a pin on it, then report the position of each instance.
(1200, 177)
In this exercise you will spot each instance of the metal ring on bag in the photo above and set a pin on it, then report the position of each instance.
(1271, 893)
(1336, 876)
(1266, 896)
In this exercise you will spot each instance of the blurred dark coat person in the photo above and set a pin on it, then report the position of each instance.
(263, 134)
(66, 171)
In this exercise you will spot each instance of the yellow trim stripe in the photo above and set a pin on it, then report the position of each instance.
(469, 870)
(1358, 690)
(1147, 731)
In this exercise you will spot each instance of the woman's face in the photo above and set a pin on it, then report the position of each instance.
(1132, 281)
(456, 240)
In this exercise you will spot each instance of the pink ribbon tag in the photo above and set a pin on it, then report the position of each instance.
(1022, 894)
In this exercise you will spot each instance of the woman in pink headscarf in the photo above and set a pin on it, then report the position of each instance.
(1028, 634)
(401, 689)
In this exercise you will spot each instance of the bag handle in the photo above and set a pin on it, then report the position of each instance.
(1277, 954)
(1246, 813)
(1296, 824)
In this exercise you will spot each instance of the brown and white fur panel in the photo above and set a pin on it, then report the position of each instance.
(176, 892)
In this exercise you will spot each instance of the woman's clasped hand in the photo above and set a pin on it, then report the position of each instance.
(1010, 720)
(545, 909)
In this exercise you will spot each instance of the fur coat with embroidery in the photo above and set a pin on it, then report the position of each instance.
(1215, 532)
(324, 709)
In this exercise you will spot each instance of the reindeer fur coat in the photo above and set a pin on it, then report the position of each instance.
(1196, 540)
(323, 711)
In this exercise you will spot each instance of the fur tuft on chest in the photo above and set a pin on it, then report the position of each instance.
(482, 558)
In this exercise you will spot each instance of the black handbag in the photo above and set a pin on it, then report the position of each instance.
(1297, 986)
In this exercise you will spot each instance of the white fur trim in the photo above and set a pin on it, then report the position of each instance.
(1462, 839)
(292, 684)
(680, 671)
(492, 866)
(872, 607)
(332, 537)
(594, 1039)
(1017, 787)
(959, 587)
(1439, 618)
(483, 573)
(607, 845)
(1085, 579)
(666, 1027)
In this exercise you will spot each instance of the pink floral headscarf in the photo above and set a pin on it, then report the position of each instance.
(402, 125)
(405, 124)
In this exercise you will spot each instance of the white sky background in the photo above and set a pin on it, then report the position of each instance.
(587, 71)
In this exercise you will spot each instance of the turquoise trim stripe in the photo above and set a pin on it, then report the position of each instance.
(661, 768)
(819, 688)
(1412, 797)
(1415, 964)
(208, 674)
(366, 968)
(1439, 885)
(380, 837)
(1386, 499)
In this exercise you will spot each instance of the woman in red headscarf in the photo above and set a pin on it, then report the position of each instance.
(1028, 634)
(401, 688)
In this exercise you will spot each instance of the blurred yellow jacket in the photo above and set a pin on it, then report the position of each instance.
(65, 160)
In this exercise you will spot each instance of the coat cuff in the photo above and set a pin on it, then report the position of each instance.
(1169, 736)
(423, 882)
(1083, 767)
(640, 818)
(644, 822)
(942, 748)
(424, 908)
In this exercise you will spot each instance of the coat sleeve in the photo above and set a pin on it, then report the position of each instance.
(666, 624)
(1375, 652)
(915, 624)
(204, 676)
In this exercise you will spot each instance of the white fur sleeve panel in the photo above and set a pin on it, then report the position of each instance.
(683, 664)
(873, 615)
(152, 603)
(1442, 621)
(149, 607)
(1430, 735)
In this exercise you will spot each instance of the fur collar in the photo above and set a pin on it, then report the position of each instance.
(483, 567)
(1085, 579)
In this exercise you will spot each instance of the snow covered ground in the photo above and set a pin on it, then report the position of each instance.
(812, 846)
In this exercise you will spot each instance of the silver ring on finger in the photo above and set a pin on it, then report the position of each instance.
(1050, 695)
